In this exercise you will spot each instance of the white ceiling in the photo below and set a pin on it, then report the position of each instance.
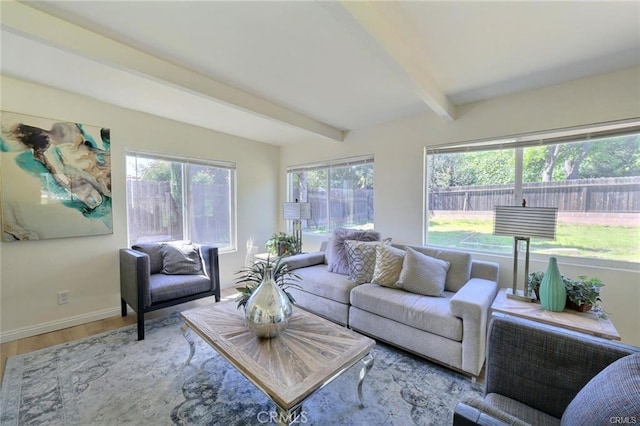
(281, 72)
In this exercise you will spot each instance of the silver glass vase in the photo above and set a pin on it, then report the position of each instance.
(268, 310)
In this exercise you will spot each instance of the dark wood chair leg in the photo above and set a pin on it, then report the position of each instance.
(123, 307)
(140, 325)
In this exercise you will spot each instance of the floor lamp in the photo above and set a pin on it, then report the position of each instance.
(297, 212)
(523, 223)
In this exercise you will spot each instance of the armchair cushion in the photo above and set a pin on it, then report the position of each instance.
(612, 393)
(180, 259)
(169, 287)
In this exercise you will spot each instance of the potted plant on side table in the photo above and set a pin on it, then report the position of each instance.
(583, 294)
(281, 244)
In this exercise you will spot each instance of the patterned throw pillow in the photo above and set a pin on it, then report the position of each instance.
(388, 266)
(422, 274)
(338, 260)
(362, 260)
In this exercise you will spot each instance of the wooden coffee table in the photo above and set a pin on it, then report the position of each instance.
(288, 368)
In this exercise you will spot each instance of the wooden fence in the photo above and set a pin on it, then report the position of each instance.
(346, 207)
(153, 215)
(581, 195)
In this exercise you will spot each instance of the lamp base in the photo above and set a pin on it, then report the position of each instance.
(520, 295)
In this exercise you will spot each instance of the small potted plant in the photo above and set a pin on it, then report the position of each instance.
(252, 276)
(583, 294)
(281, 244)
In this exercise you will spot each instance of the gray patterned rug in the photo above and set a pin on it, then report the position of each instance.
(112, 379)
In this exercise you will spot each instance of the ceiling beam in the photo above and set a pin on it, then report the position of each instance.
(385, 22)
(49, 30)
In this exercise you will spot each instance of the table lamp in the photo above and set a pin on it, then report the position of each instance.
(297, 212)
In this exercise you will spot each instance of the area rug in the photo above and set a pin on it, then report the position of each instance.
(112, 379)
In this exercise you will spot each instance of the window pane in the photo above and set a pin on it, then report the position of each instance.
(155, 201)
(594, 184)
(341, 195)
(596, 187)
(462, 191)
(209, 205)
(172, 200)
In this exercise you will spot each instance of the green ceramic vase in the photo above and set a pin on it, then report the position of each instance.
(553, 294)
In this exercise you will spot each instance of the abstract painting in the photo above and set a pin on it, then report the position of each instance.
(55, 178)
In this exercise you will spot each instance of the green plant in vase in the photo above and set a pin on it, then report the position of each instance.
(252, 276)
(584, 293)
(281, 244)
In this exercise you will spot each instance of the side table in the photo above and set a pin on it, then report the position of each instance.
(584, 322)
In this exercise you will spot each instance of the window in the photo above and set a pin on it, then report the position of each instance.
(171, 198)
(592, 177)
(340, 193)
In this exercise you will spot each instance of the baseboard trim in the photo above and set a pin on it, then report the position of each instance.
(47, 327)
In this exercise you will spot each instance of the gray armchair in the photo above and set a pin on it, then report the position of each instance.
(156, 276)
(542, 375)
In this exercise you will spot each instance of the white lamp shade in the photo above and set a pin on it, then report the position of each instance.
(515, 221)
(297, 211)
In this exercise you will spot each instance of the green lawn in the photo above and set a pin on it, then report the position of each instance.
(602, 242)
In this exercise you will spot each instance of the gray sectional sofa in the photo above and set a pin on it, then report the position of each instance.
(449, 328)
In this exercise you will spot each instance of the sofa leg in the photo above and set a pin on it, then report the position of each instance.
(140, 325)
(123, 307)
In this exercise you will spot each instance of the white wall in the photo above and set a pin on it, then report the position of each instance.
(398, 150)
(33, 272)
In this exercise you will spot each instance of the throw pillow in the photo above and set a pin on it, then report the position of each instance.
(181, 259)
(155, 255)
(422, 274)
(388, 266)
(362, 260)
(459, 269)
(611, 394)
(338, 261)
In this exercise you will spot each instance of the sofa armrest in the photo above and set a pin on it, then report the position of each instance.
(303, 260)
(472, 304)
(134, 278)
(544, 366)
(485, 270)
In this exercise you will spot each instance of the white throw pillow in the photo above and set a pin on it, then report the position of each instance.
(362, 260)
(388, 266)
(422, 274)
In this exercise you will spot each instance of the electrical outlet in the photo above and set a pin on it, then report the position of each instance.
(63, 297)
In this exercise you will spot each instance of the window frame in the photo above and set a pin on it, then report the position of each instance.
(190, 161)
(519, 143)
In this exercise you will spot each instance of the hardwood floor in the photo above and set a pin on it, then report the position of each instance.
(30, 344)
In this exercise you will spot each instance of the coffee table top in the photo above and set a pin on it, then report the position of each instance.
(288, 368)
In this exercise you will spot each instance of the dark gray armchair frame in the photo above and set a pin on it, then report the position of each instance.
(538, 365)
(134, 286)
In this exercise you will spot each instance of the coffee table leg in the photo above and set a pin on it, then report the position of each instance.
(186, 332)
(288, 417)
(368, 364)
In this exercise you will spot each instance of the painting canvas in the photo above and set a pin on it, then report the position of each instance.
(55, 178)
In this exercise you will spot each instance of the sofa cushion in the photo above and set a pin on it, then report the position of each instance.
(612, 394)
(336, 249)
(388, 265)
(181, 259)
(430, 314)
(155, 256)
(319, 281)
(459, 269)
(362, 260)
(423, 274)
